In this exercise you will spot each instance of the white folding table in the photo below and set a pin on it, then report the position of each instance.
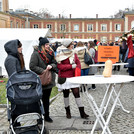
(101, 65)
(111, 94)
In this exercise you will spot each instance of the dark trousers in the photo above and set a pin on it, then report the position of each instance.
(45, 99)
(117, 67)
(131, 71)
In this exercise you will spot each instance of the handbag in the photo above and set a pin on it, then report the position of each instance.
(61, 80)
(46, 77)
(77, 72)
(87, 58)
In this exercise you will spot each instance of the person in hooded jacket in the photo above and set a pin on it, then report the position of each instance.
(43, 58)
(14, 62)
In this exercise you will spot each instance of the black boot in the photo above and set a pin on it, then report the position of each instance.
(118, 68)
(82, 113)
(47, 118)
(114, 69)
(93, 87)
(68, 114)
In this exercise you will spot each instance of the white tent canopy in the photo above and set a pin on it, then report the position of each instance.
(82, 40)
(23, 33)
(28, 38)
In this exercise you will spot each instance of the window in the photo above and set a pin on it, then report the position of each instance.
(90, 27)
(17, 25)
(132, 24)
(49, 26)
(76, 37)
(116, 38)
(103, 27)
(76, 27)
(11, 24)
(117, 27)
(35, 26)
(62, 37)
(63, 27)
(22, 26)
(103, 39)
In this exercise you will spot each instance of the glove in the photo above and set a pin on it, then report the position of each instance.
(73, 65)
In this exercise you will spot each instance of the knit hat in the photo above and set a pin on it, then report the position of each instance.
(75, 41)
(43, 41)
(66, 42)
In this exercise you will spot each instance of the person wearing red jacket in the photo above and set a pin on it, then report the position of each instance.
(129, 57)
(67, 61)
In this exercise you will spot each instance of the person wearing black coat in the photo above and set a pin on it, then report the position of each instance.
(43, 58)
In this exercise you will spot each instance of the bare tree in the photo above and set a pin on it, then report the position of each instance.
(120, 13)
(44, 13)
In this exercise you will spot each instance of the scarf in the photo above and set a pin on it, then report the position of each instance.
(64, 53)
(77, 49)
(44, 54)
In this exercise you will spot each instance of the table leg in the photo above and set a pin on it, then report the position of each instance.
(103, 104)
(119, 103)
(110, 91)
(97, 111)
(111, 112)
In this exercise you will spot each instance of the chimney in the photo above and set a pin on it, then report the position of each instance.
(47, 16)
(5, 6)
(70, 16)
(59, 16)
(96, 15)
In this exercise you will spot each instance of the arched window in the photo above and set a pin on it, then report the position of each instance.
(132, 24)
(103, 39)
(116, 38)
(76, 27)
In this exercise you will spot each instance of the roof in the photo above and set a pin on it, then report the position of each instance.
(129, 12)
(83, 19)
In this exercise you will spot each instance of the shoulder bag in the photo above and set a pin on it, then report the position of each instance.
(87, 58)
(46, 77)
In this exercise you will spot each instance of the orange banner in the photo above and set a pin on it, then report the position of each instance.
(108, 52)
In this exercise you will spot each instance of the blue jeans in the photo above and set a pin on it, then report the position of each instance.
(84, 71)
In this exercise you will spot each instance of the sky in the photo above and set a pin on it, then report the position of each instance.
(77, 8)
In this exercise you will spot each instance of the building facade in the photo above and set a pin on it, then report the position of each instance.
(102, 29)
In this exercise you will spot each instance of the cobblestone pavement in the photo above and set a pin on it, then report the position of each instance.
(120, 123)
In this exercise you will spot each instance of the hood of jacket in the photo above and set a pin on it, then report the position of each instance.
(11, 47)
(36, 48)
